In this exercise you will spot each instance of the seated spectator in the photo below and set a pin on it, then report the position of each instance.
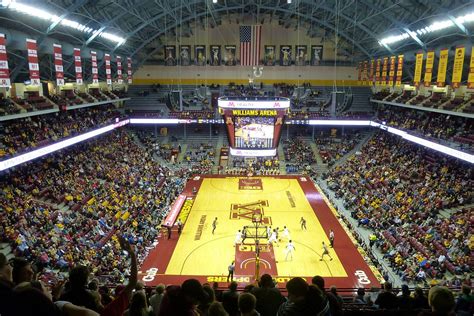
(441, 301)
(405, 301)
(183, 300)
(386, 299)
(333, 291)
(155, 299)
(420, 301)
(334, 304)
(465, 302)
(217, 309)
(6, 286)
(77, 293)
(268, 297)
(247, 303)
(22, 271)
(211, 297)
(360, 296)
(230, 299)
(303, 299)
(138, 305)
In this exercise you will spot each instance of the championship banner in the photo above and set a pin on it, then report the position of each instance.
(316, 54)
(95, 73)
(269, 56)
(470, 78)
(118, 59)
(185, 55)
(129, 70)
(371, 73)
(429, 67)
(170, 55)
(443, 64)
(457, 67)
(383, 80)
(285, 55)
(398, 80)
(78, 65)
(200, 55)
(215, 52)
(377, 72)
(4, 72)
(108, 72)
(301, 53)
(391, 74)
(33, 62)
(364, 74)
(418, 68)
(58, 64)
(229, 55)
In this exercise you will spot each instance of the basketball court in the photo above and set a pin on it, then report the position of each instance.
(278, 201)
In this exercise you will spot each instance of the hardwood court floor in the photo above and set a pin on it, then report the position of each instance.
(199, 252)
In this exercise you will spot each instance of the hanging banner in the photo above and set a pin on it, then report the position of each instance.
(391, 73)
(285, 55)
(470, 78)
(200, 55)
(398, 80)
(229, 55)
(457, 67)
(365, 73)
(129, 70)
(215, 53)
(185, 55)
(4, 71)
(58, 64)
(371, 73)
(170, 55)
(316, 54)
(33, 65)
(118, 59)
(377, 72)
(95, 73)
(383, 80)
(443, 64)
(78, 65)
(301, 53)
(418, 68)
(108, 72)
(429, 67)
(269, 56)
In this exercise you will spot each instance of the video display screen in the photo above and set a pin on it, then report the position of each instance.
(254, 132)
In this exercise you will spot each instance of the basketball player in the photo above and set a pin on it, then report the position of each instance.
(231, 269)
(273, 237)
(238, 238)
(269, 231)
(244, 234)
(325, 252)
(180, 226)
(214, 225)
(276, 231)
(331, 238)
(289, 250)
(303, 223)
(286, 233)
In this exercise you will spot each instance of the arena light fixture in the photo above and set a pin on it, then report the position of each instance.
(433, 27)
(340, 122)
(9, 163)
(45, 15)
(153, 121)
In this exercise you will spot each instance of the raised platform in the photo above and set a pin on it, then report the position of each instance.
(282, 201)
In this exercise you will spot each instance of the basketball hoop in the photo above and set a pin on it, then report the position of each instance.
(256, 218)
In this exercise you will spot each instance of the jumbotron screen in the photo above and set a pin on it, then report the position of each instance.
(254, 132)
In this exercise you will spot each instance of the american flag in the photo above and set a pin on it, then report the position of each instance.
(250, 36)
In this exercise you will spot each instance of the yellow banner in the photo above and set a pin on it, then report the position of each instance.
(443, 64)
(384, 71)
(429, 67)
(470, 78)
(391, 74)
(398, 81)
(377, 72)
(457, 67)
(418, 68)
(366, 78)
(371, 73)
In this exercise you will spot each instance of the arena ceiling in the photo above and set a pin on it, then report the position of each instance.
(360, 25)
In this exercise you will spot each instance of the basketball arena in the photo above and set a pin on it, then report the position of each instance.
(224, 157)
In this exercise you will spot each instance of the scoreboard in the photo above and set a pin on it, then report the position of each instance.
(253, 124)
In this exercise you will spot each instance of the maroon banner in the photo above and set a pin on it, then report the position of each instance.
(95, 73)
(33, 65)
(108, 72)
(129, 70)
(4, 72)
(58, 64)
(78, 65)
(119, 69)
